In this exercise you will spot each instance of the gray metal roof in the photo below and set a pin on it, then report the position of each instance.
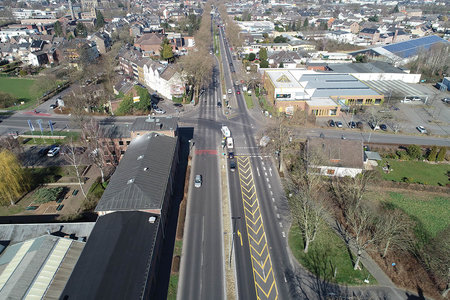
(27, 263)
(373, 67)
(116, 262)
(141, 178)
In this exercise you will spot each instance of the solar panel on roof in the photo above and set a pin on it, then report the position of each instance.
(410, 48)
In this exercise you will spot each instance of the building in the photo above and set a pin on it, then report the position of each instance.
(340, 36)
(291, 89)
(335, 157)
(102, 41)
(144, 178)
(38, 268)
(149, 43)
(120, 259)
(37, 58)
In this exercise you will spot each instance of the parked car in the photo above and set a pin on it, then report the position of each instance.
(331, 123)
(421, 129)
(159, 111)
(154, 105)
(43, 151)
(352, 124)
(198, 181)
(338, 124)
(178, 104)
(383, 127)
(238, 92)
(53, 151)
(374, 126)
(229, 91)
(359, 125)
(231, 155)
(53, 106)
(219, 104)
(446, 100)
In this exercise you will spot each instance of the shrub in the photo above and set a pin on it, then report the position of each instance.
(414, 152)
(45, 195)
(251, 56)
(402, 155)
(433, 153)
(441, 155)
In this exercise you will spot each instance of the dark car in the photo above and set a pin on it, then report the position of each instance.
(178, 104)
(230, 155)
(383, 127)
(53, 106)
(219, 104)
(331, 123)
(359, 125)
(232, 165)
(43, 151)
(352, 124)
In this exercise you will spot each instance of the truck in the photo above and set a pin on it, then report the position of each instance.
(225, 131)
(229, 143)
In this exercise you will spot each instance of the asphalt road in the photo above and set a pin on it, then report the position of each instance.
(202, 270)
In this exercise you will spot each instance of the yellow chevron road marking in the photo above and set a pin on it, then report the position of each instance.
(256, 232)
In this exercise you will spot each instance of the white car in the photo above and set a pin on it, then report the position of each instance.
(198, 181)
(229, 91)
(53, 152)
(159, 110)
(421, 129)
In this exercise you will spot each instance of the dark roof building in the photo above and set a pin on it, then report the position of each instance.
(119, 260)
(143, 180)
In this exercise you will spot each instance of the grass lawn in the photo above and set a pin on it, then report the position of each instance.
(49, 141)
(173, 286)
(265, 105)
(327, 254)
(18, 87)
(432, 213)
(417, 172)
(248, 100)
(11, 210)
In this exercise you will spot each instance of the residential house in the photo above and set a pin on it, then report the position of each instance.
(371, 35)
(149, 43)
(335, 157)
(37, 58)
(286, 59)
(102, 41)
(340, 36)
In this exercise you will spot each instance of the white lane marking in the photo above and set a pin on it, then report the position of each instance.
(257, 170)
(264, 168)
(269, 185)
(267, 179)
(273, 199)
(271, 193)
(265, 173)
(262, 163)
(278, 216)
(284, 234)
(275, 207)
(270, 171)
(281, 225)
(285, 280)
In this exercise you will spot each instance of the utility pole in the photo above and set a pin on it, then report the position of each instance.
(232, 238)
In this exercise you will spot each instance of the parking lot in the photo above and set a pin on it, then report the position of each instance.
(434, 115)
(31, 157)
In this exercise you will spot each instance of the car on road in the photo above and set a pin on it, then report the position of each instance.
(198, 181)
(229, 91)
(352, 124)
(331, 123)
(53, 106)
(338, 124)
(446, 100)
(178, 104)
(53, 151)
(421, 129)
(383, 127)
(219, 104)
(231, 155)
(238, 92)
(159, 111)
(232, 165)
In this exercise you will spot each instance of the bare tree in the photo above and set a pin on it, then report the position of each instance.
(306, 205)
(92, 135)
(74, 159)
(396, 231)
(11, 144)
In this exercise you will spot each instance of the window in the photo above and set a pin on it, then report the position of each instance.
(111, 143)
(330, 172)
(333, 112)
(122, 152)
(359, 101)
(377, 101)
(128, 142)
(121, 143)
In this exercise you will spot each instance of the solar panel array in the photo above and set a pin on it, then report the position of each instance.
(410, 48)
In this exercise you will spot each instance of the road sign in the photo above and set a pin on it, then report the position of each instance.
(50, 124)
(39, 121)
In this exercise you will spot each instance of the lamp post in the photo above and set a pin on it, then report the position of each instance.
(232, 237)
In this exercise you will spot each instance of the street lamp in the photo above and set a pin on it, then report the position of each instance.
(232, 238)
